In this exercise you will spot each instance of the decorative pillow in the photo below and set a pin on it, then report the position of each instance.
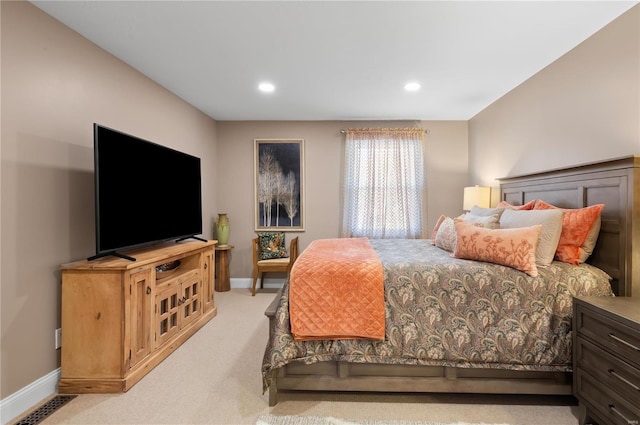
(446, 235)
(551, 221)
(590, 242)
(488, 221)
(528, 206)
(272, 245)
(476, 210)
(576, 226)
(509, 247)
(436, 227)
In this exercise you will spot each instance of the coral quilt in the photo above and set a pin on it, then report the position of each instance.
(337, 291)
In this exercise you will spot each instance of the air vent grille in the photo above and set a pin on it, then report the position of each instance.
(45, 410)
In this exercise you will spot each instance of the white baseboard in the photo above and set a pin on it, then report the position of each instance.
(29, 397)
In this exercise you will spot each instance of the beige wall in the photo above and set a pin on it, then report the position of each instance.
(55, 84)
(582, 108)
(446, 162)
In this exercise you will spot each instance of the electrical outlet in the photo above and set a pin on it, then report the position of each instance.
(58, 338)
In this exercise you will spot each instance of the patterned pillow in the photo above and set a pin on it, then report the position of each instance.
(272, 245)
(509, 247)
(528, 206)
(446, 236)
(576, 226)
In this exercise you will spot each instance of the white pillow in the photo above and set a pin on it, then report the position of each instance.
(487, 221)
(549, 236)
(590, 242)
(476, 210)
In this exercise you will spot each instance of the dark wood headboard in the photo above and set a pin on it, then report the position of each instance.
(615, 183)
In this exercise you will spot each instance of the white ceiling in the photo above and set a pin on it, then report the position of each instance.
(337, 60)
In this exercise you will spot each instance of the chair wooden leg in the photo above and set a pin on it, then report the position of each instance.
(261, 280)
(253, 288)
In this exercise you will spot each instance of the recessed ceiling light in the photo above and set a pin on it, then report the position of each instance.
(266, 87)
(412, 86)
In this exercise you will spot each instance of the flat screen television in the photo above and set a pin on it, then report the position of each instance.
(144, 193)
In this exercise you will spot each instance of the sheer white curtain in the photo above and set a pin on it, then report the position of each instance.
(383, 183)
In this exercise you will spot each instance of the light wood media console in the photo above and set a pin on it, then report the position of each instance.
(121, 318)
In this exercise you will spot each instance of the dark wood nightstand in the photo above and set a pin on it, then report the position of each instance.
(606, 359)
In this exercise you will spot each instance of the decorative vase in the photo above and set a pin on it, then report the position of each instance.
(222, 228)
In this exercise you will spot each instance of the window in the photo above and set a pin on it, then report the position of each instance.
(383, 183)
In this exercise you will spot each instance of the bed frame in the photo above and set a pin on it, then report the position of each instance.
(615, 183)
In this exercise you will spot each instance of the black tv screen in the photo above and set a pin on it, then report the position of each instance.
(145, 192)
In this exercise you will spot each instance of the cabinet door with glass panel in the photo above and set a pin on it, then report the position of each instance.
(178, 304)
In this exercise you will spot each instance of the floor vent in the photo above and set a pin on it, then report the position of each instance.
(45, 410)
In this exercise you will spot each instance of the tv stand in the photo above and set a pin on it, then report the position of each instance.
(120, 319)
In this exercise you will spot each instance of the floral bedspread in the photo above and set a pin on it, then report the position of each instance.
(444, 311)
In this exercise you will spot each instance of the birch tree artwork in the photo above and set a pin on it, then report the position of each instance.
(278, 174)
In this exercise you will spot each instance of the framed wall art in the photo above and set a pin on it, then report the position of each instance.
(279, 184)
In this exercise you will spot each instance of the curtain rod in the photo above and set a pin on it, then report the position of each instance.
(426, 130)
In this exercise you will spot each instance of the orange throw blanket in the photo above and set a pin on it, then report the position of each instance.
(336, 291)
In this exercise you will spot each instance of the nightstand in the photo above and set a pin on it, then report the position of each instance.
(223, 281)
(606, 359)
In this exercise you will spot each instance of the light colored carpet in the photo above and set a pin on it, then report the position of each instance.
(214, 378)
(316, 420)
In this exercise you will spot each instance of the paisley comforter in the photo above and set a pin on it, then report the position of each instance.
(444, 311)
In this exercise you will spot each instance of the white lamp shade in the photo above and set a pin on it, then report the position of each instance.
(476, 195)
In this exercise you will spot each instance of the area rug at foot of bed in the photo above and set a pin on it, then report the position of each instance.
(328, 420)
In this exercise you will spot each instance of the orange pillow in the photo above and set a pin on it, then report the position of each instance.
(528, 206)
(576, 225)
(509, 247)
(435, 229)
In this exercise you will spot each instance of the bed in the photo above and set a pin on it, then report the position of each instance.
(484, 353)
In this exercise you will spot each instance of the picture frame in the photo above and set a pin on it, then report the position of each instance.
(279, 184)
